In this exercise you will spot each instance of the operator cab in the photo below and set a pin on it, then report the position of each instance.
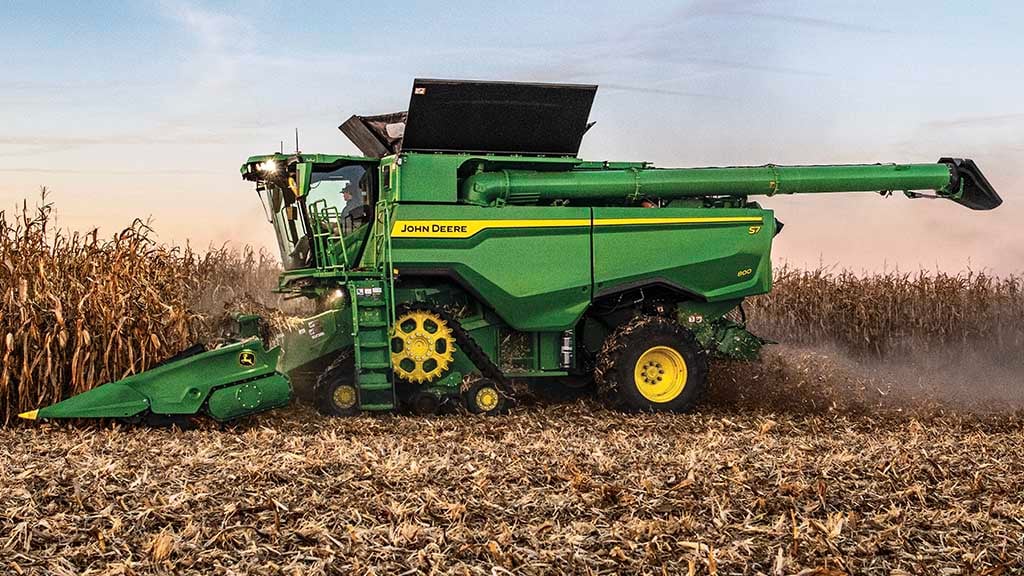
(320, 206)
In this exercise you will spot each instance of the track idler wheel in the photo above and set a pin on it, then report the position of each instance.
(484, 397)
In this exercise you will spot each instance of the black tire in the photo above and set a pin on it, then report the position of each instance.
(424, 404)
(662, 343)
(336, 393)
(484, 397)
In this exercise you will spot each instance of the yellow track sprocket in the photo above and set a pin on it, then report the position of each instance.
(422, 346)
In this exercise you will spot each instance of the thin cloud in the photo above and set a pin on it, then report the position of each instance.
(704, 8)
(663, 91)
(223, 41)
(974, 120)
(808, 21)
(31, 145)
(42, 88)
(719, 63)
(214, 30)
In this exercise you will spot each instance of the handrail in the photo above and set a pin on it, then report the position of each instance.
(321, 216)
(385, 233)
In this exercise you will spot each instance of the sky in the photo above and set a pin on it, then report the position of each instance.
(147, 108)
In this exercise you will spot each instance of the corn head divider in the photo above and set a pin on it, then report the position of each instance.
(469, 247)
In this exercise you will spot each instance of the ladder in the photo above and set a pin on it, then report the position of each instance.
(373, 317)
(371, 334)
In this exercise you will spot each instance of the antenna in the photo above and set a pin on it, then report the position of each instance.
(296, 140)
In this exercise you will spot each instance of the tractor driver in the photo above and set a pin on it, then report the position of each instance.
(353, 199)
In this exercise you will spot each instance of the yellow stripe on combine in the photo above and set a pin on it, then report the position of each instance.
(652, 221)
(468, 228)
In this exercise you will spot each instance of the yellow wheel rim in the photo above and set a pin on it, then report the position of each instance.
(422, 346)
(487, 399)
(344, 396)
(660, 374)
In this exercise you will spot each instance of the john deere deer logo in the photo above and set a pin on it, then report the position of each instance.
(247, 358)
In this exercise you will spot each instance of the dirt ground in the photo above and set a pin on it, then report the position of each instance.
(795, 465)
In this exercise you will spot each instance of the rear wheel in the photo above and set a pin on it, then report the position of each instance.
(653, 364)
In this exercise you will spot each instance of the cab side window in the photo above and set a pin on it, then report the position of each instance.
(345, 194)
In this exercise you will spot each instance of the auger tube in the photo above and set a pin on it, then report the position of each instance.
(529, 187)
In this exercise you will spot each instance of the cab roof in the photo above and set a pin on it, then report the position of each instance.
(251, 164)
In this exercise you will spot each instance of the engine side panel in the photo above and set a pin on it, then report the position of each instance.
(714, 254)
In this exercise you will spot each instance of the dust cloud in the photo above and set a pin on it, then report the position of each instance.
(825, 379)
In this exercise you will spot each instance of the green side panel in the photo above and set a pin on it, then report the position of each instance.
(316, 337)
(113, 400)
(532, 264)
(548, 346)
(715, 254)
(249, 397)
(486, 337)
(693, 313)
(179, 387)
(427, 178)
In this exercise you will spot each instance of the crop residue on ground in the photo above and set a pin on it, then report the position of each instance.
(547, 489)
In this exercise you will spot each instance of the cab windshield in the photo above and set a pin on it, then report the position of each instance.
(343, 191)
(336, 204)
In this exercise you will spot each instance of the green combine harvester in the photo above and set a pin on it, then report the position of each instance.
(470, 247)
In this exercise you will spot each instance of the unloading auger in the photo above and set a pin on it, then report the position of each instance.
(469, 246)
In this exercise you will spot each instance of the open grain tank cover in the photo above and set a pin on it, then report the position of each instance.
(376, 136)
(497, 117)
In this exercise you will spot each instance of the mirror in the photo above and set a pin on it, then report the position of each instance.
(276, 198)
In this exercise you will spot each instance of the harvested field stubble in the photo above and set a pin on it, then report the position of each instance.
(555, 489)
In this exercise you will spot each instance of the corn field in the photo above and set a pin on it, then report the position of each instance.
(78, 310)
(891, 313)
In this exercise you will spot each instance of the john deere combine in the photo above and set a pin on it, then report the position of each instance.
(469, 246)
